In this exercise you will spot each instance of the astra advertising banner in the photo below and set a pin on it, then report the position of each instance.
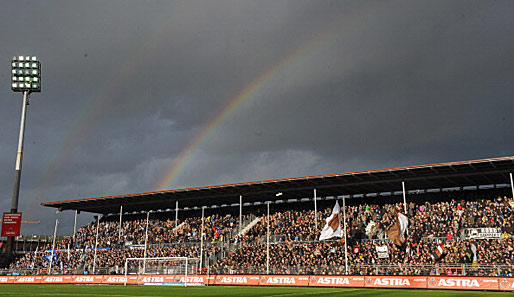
(356, 281)
(466, 283)
(336, 281)
(11, 224)
(396, 282)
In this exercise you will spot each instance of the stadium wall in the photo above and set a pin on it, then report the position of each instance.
(420, 282)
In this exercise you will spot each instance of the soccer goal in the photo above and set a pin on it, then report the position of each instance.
(180, 267)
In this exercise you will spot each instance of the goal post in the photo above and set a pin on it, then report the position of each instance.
(180, 267)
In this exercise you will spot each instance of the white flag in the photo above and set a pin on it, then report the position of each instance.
(397, 231)
(332, 227)
(404, 222)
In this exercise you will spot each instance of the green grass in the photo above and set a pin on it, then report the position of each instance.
(143, 291)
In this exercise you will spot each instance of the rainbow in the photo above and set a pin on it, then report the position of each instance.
(95, 109)
(250, 89)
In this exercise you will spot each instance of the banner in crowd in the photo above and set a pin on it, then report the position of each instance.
(357, 281)
(482, 233)
(382, 251)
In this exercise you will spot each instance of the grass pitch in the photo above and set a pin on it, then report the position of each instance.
(147, 291)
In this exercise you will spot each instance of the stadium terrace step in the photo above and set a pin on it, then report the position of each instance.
(249, 226)
(179, 226)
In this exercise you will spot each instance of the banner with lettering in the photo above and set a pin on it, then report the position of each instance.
(395, 282)
(336, 281)
(422, 282)
(237, 280)
(466, 283)
(482, 233)
(285, 280)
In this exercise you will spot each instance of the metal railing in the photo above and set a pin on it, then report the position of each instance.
(449, 269)
(452, 269)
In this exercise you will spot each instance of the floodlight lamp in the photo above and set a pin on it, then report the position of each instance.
(26, 71)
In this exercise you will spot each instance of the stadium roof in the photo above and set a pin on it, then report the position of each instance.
(493, 171)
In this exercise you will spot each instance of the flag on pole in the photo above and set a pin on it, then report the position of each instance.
(438, 252)
(48, 258)
(333, 226)
(397, 232)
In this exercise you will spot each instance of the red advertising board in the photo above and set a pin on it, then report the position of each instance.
(28, 279)
(395, 281)
(466, 283)
(88, 279)
(431, 282)
(336, 281)
(506, 283)
(237, 280)
(285, 280)
(11, 224)
(119, 279)
(7, 279)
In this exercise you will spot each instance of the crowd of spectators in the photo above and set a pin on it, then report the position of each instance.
(295, 249)
(431, 225)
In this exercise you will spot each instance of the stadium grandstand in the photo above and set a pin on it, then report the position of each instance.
(461, 223)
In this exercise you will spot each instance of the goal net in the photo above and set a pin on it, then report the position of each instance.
(180, 267)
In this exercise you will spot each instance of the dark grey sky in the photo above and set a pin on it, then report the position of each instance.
(128, 85)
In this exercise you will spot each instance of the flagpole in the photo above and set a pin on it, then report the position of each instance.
(75, 224)
(315, 212)
(404, 199)
(146, 239)
(240, 213)
(176, 215)
(201, 241)
(53, 247)
(121, 214)
(96, 243)
(267, 243)
(345, 243)
(511, 185)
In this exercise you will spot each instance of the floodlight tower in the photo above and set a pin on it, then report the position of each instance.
(26, 78)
